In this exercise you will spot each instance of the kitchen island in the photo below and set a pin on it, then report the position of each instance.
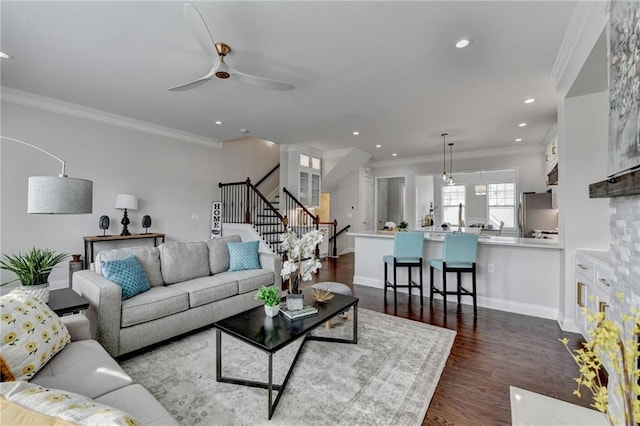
(521, 275)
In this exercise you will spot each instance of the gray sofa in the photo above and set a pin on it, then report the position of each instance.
(84, 367)
(191, 287)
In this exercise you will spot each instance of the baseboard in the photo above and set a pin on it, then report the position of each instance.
(485, 302)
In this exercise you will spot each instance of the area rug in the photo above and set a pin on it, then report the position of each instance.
(388, 378)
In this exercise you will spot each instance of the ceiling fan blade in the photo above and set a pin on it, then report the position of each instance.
(257, 81)
(195, 83)
(199, 28)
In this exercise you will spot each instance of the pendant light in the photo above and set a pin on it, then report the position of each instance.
(444, 157)
(451, 181)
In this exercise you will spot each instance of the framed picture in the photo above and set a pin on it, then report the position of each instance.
(624, 86)
(216, 219)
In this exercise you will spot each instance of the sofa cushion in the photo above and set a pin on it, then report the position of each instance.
(243, 256)
(68, 406)
(83, 367)
(137, 400)
(219, 253)
(208, 289)
(184, 261)
(249, 280)
(149, 258)
(128, 274)
(31, 335)
(156, 303)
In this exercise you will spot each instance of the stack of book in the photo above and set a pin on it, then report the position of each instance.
(299, 313)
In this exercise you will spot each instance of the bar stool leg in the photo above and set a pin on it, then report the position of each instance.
(475, 303)
(421, 297)
(444, 289)
(385, 283)
(409, 286)
(395, 286)
(430, 285)
(459, 289)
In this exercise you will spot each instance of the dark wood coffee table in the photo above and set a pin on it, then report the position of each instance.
(252, 327)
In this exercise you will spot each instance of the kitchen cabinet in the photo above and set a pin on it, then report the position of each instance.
(593, 284)
(309, 183)
(551, 162)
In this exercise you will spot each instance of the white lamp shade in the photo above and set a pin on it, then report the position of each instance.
(59, 195)
(126, 201)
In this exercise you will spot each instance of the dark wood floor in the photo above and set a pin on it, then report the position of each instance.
(497, 350)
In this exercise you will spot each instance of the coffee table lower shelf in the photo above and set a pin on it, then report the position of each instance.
(270, 386)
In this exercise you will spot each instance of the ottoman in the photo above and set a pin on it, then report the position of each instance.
(337, 288)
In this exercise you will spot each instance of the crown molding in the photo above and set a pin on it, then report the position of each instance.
(492, 152)
(31, 100)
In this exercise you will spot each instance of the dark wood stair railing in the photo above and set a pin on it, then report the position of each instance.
(269, 173)
(333, 240)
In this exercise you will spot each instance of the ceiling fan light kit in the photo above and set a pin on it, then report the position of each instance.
(217, 52)
(444, 157)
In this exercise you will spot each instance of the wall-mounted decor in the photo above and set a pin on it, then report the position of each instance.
(624, 86)
(216, 219)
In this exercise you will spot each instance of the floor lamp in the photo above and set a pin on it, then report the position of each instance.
(57, 194)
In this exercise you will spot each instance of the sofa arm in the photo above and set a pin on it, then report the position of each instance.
(105, 307)
(78, 326)
(272, 262)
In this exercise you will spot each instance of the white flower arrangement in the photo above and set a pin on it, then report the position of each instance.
(301, 261)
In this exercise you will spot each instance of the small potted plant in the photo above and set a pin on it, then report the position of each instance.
(271, 298)
(32, 269)
(403, 226)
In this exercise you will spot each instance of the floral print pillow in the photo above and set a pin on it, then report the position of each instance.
(31, 334)
(71, 407)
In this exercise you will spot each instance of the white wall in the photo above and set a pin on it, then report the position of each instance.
(345, 196)
(174, 180)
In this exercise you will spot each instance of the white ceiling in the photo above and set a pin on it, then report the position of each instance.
(387, 69)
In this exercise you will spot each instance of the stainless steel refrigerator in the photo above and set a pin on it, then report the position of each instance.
(535, 213)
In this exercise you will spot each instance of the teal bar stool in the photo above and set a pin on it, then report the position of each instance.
(407, 252)
(459, 255)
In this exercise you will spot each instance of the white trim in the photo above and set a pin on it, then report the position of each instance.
(44, 103)
(484, 302)
(512, 150)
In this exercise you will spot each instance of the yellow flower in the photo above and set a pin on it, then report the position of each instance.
(6, 317)
(11, 338)
(31, 347)
(39, 318)
(129, 421)
(45, 336)
(43, 358)
(28, 327)
(56, 397)
(28, 369)
(20, 309)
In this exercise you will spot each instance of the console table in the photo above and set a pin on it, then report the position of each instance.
(89, 241)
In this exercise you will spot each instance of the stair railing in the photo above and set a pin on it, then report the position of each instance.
(242, 202)
(269, 173)
(333, 240)
(301, 220)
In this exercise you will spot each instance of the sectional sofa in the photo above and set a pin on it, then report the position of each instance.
(191, 286)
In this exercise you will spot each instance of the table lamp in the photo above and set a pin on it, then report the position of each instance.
(126, 202)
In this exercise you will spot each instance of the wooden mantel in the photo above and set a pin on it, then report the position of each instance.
(628, 184)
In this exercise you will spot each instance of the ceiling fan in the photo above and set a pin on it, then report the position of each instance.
(217, 53)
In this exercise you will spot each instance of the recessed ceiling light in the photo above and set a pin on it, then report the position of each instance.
(269, 143)
(519, 140)
(219, 123)
(462, 43)
(522, 124)
(356, 133)
(378, 146)
(395, 154)
(529, 101)
(5, 56)
(245, 131)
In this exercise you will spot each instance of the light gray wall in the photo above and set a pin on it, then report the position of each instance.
(175, 181)
(345, 196)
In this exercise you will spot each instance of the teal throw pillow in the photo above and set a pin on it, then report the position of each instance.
(243, 256)
(128, 274)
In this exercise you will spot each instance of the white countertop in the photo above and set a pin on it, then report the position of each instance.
(482, 239)
(529, 408)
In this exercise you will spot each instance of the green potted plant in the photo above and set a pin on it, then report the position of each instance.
(404, 226)
(271, 298)
(32, 270)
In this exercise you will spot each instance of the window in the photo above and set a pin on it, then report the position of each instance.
(315, 163)
(502, 204)
(304, 160)
(452, 197)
